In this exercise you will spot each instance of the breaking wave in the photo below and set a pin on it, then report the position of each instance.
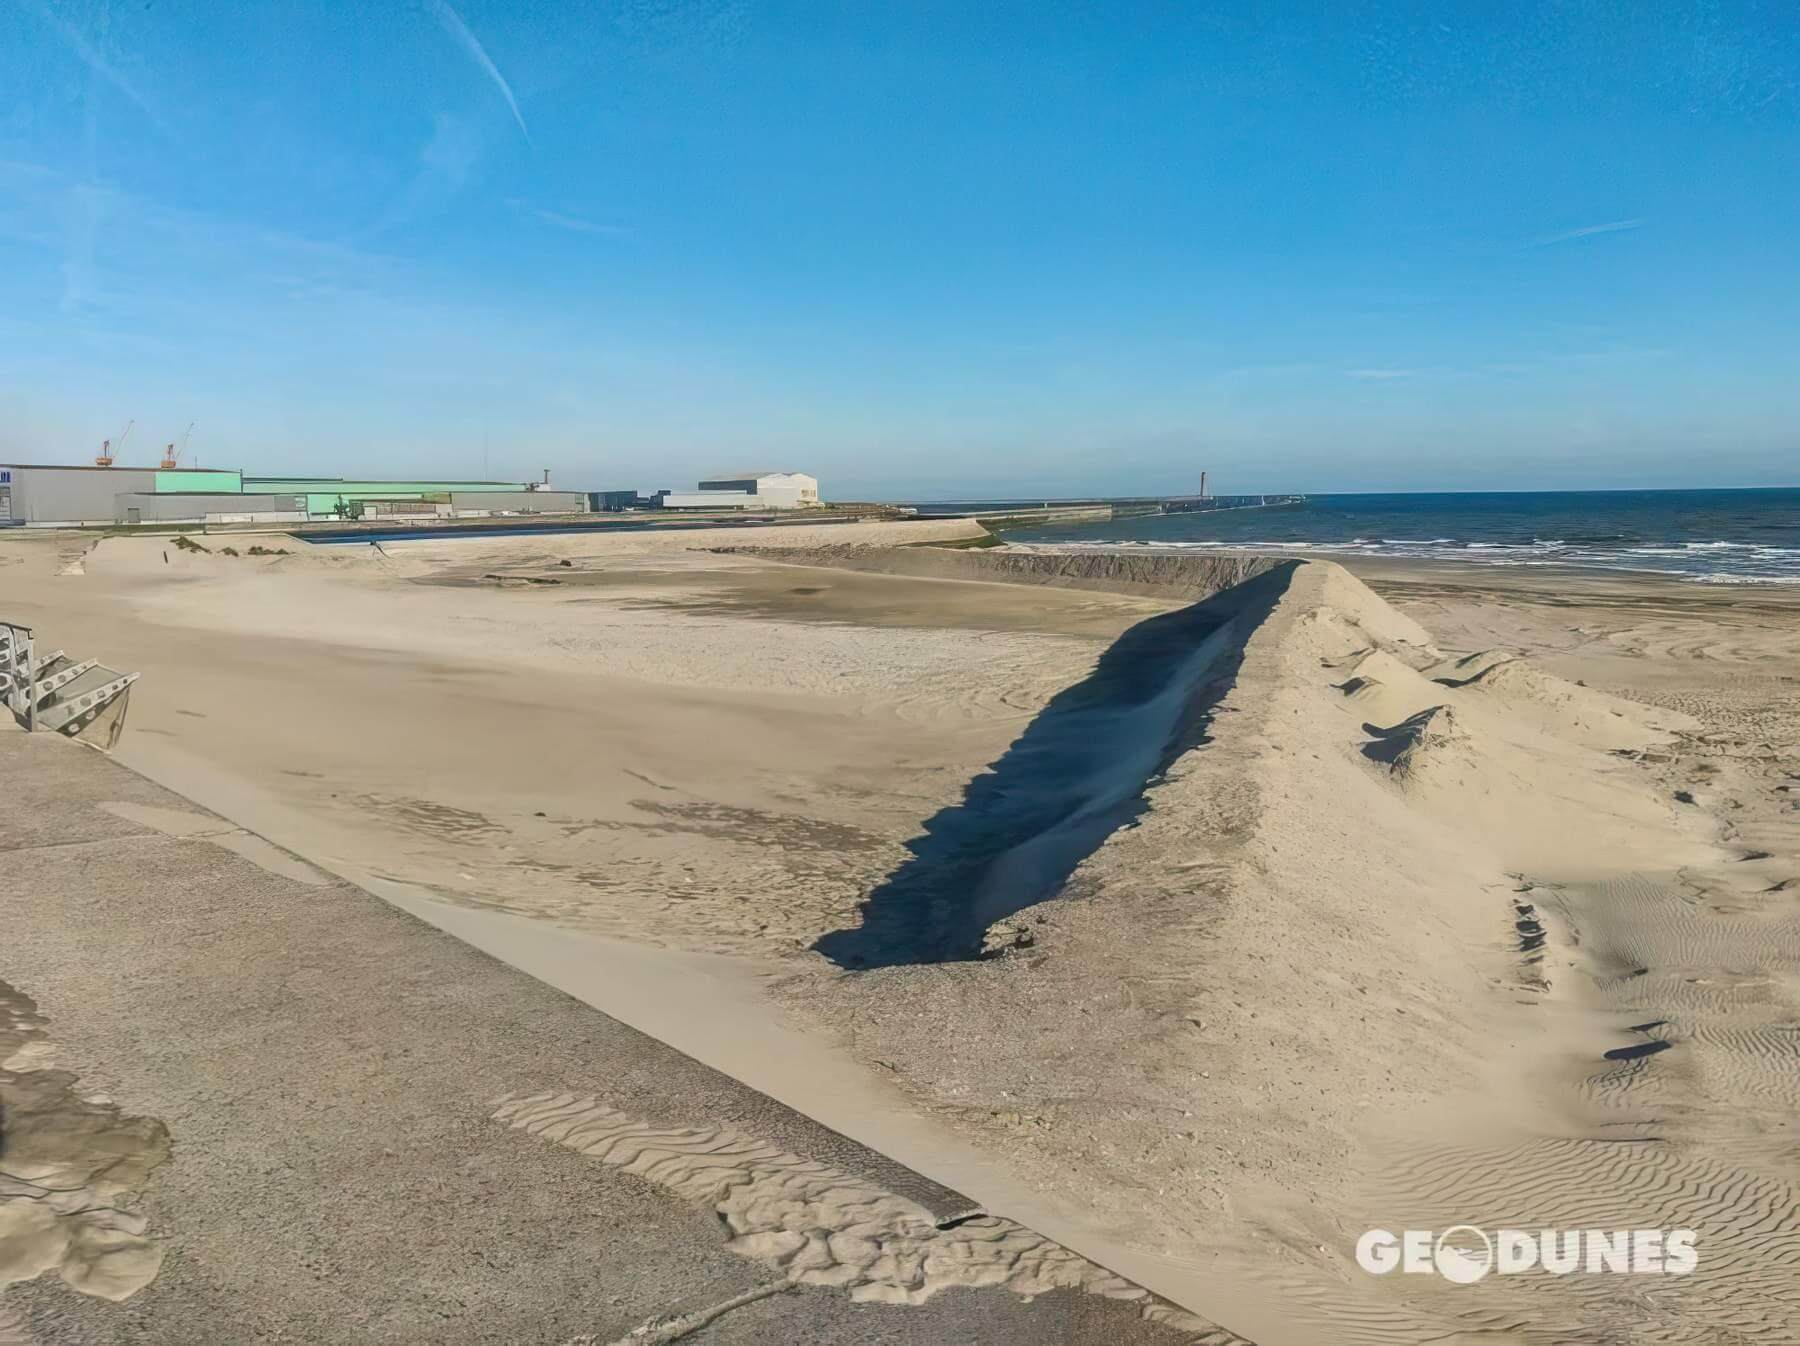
(1709, 562)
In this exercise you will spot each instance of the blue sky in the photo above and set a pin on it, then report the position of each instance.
(914, 248)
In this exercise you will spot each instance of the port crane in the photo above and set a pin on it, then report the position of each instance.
(105, 457)
(170, 456)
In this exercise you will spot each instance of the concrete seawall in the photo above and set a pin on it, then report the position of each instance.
(1002, 520)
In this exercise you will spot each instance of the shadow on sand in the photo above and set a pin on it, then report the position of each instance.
(1074, 777)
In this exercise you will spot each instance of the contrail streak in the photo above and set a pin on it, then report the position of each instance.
(90, 56)
(1611, 227)
(454, 25)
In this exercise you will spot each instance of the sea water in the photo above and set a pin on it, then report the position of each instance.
(1713, 537)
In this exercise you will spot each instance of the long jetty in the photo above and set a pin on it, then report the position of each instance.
(1023, 513)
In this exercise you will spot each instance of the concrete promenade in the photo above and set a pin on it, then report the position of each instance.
(326, 1068)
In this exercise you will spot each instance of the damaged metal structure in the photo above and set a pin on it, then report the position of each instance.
(52, 691)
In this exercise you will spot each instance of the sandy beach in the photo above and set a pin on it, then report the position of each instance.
(1196, 919)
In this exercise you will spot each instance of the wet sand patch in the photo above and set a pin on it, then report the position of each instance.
(71, 1167)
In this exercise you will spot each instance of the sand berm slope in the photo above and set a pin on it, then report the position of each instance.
(1304, 956)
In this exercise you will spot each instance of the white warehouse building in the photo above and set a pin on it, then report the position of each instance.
(748, 490)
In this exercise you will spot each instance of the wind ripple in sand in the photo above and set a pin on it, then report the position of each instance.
(1748, 1235)
(1641, 923)
(1690, 1129)
(824, 1227)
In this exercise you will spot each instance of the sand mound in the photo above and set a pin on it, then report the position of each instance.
(1337, 592)
(1460, 671)
(1507, 756)
(1305, 941)
(1581, 713)
(1385, 691)
(1430, 744)
(208, 556)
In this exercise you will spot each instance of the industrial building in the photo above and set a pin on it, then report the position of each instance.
(617, 502)
(747, 490)
(47, 495)
(773, 490)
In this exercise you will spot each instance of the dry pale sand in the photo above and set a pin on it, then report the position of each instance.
(648, 748)
(1470, 900)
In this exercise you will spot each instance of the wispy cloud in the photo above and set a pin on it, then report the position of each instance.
(573, 223)
(453, 24)
(1378, 374)
(446, 164)
(453, 150)
(87, 209)
(1588, 231)
(172, 269)
(90, 56)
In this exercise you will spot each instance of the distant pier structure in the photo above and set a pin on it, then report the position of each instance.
(1193, 504)
(1190, 504)
(1023, 513)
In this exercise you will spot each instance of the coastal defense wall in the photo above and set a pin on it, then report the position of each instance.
(1179, 578)
(1002, 520)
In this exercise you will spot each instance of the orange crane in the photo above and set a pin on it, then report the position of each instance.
(170, 457)
(105, 457)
